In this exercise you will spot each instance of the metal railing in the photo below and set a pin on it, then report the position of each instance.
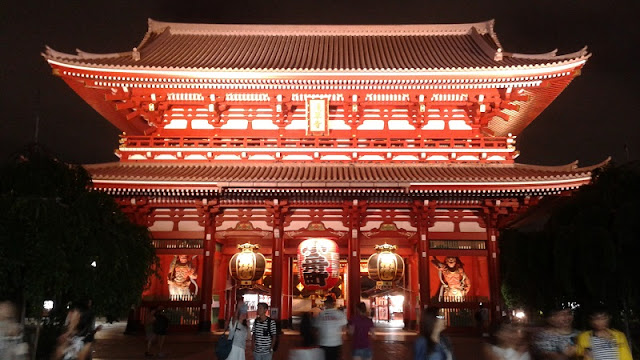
(177, 315)
(459, 299)
(459, 317)
(164, 298)
(458, 244)
(178, 244)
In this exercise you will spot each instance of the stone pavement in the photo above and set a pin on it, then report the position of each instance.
(396, 344)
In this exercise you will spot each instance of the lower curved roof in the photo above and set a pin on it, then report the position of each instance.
(186, 178)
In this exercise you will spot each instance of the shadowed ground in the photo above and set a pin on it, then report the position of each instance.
(395, 344)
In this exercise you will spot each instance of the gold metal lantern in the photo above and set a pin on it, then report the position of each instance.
(247, 266)
(385, 267)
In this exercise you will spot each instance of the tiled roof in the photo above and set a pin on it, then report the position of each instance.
(309, 47)
(300, 176)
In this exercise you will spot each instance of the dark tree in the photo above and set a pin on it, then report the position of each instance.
(60, 240)
(587, 252)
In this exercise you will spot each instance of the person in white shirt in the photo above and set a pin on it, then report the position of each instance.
(238, 331)
(330, 324)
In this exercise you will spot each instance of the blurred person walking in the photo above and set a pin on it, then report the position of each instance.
(511, 344)
(159, 328)
(308, 349)
(148, 330)
(329, 324)
(361, 328)
(12, 346)
(602, 342)
(75, 342)
(557, 340)
(307, 332)
(431, 345)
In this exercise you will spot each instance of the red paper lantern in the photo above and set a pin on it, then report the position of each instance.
(319, 264)
(247, 266)
(385, 267)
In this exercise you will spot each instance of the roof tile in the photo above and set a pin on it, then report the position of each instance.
(301, 47)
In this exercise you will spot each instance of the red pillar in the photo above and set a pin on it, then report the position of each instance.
(207, 279)
(423, 258)
(353, 268)
(219, 282)
(286, 291)
(227, 296)
(412, 299)
(494, 274)
(276, 274)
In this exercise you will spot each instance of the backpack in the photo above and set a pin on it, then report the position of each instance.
(277, 341)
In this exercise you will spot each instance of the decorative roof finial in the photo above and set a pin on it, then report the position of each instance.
(135, 54)
(498, 55)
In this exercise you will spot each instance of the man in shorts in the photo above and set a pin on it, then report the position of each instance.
(263, 334)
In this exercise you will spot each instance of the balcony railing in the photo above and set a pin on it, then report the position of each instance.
(458, 244)
(166, 142)
(178, 244)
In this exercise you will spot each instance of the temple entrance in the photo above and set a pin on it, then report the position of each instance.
(386, 306)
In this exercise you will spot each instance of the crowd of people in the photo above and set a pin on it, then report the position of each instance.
(559, 340)
(322, 330)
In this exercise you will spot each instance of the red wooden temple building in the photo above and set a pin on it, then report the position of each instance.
(356, 135)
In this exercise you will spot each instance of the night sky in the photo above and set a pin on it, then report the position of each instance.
(592, 119)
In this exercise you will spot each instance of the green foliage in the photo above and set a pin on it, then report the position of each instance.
(586, 253)
(53, 227)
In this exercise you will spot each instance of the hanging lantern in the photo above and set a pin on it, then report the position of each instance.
(319, 264)
(385, 267)
(247, 266)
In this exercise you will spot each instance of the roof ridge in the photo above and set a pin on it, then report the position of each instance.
(50, 53)
(573, 166)
(551, 55)
(484, 27)
(88, 55)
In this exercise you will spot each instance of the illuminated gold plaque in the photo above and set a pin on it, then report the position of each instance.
(317, 116)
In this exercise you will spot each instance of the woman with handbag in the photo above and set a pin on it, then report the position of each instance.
(238, 330)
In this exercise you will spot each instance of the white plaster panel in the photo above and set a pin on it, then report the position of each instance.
(473, 227)
(236, 124)
(338, 125)
(200, 124)
(176, 124)
(459, 125)
(263, 125)
(297, 125)
(442, 226)
(161, 226)
(195, 157)
(434, 125)
(400, 125)
(189, 226)
(372, 125)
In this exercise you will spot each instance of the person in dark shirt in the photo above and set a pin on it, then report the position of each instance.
(306, 330)
(160, 327)
(431, 345)
(361, 328)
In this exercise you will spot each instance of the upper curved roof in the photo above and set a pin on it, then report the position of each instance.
(170, 46)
